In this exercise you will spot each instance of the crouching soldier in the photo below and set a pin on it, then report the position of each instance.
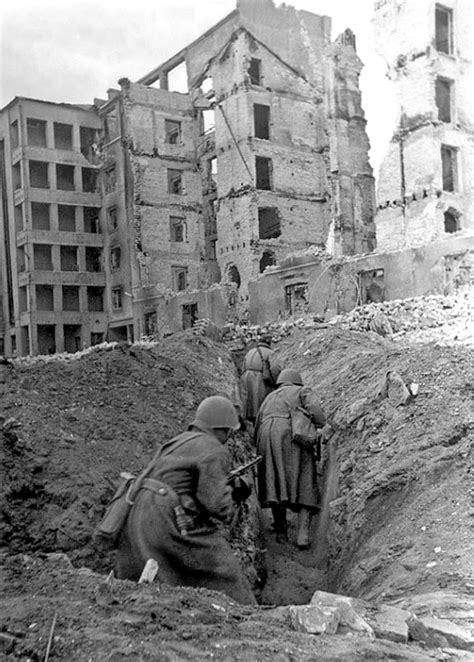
(175, 517)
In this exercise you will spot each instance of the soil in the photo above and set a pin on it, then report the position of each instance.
(396, 522)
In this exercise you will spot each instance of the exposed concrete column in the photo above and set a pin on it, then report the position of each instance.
(163, 78)
(50, 135)
(76, 138)
(59, 336)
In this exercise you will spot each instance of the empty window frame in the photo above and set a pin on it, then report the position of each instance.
(111, 127)
(451, 221)
(64, 177)
(175, 181)
(444, 89)
(62, 136)
(88, 142)
(44, 297)
(70, 297)
(66, 218)
(110, 180)
(115, 257)
(268, 259)
(180, 278)
(150, 323)
(112, 218)
(95, 299)
(42, 257)
(371, 286)
(177, 229)
(16, 176)
(93, 259)
(254, 71)
(19, 221)
(296, 298)
(96, 338)
(263, 173)
(172, 132)
(40, 216)
(14, 134)
(68, 258)
(449, 167)
(91, 220)
(36, 132)
(269, 226)
(444, 29)
(39, 177)
(117, 298)
(189, 315)
(89, 180)
(261, 121)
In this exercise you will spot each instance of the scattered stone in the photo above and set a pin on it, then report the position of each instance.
(7, 642)
(440, 633)
(312, 619)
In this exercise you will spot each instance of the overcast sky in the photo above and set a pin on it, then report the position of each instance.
(74, 50)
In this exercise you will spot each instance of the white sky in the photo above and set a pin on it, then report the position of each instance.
(74, 50)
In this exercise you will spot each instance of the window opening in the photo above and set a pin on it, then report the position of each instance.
(112, 219)
(42, 257)
(71, 297)
(116, 298)
(110, 180)
(39, 174)
(72, 338)
(66, 218)
(233, 275)
(254, 71)
(175, 181)
(14, 134)
(44, 297)
(449, 167)
(19, 223)
(150, 323)
(189, 315)
(443, 99)
(172, 132)
(269, 226)
(371, 286)
(46, 338)
(40, 216)
(89, 180)
(267, 260)
(177, 229)
(296, 298)
(65, 177)
(263, 168)
(178, 78)
(92, 220)
(451, 221)
(180, 278)
(63, 136)
(96, 338)
(261, 121)
(208, 119)
(68, 258)
(111, 127)
(22, 299)
(93, 259)
(444, 29)
(16, 176)
(89, 142)
(36, 132)
(115, 254)
(95, 299)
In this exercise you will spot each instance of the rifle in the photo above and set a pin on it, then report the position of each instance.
(243, 468)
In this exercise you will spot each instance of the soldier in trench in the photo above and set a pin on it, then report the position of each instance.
(176, 514)
(259, 373)
(287, 475)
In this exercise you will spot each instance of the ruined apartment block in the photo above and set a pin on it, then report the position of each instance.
(426, 183)
(51, 244)
(264, 153)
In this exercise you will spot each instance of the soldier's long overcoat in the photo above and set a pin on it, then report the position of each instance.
(287, 473)
(191, 471)
(252, 387)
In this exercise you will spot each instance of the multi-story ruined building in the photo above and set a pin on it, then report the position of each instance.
(263, 154)
(426, 185)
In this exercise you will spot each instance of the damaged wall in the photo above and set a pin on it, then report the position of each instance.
(425, 188)
(326, 286)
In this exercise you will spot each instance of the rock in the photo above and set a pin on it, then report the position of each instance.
(349, 618)
(396, 390)
(312, 619)
(7, 642)
(389, 623)
(440, 633)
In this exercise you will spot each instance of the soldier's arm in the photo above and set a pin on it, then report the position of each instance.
(312, 405)
(213, 492)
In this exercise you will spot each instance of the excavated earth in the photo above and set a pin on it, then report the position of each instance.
(395, 527)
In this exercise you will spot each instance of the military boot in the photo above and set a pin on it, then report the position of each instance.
(280, 525)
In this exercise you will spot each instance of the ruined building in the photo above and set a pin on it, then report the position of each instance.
(263, 154)
(426, 185)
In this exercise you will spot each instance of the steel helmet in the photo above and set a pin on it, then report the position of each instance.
(290, 376)
(217, 412)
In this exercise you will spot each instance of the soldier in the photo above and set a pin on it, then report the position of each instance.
(287, 475)
(259, 374)
(173, 519)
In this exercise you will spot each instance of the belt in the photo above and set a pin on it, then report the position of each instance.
(253, 370)
(184, 521)
(267, 418)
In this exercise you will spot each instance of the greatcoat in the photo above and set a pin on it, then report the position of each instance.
(287, 474)
(253, 389)
(190, 472)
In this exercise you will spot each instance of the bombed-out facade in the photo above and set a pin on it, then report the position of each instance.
(262, 153)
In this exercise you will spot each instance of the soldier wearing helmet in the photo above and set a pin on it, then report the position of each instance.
(174, 519)
(287, 475)
(258, 376)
